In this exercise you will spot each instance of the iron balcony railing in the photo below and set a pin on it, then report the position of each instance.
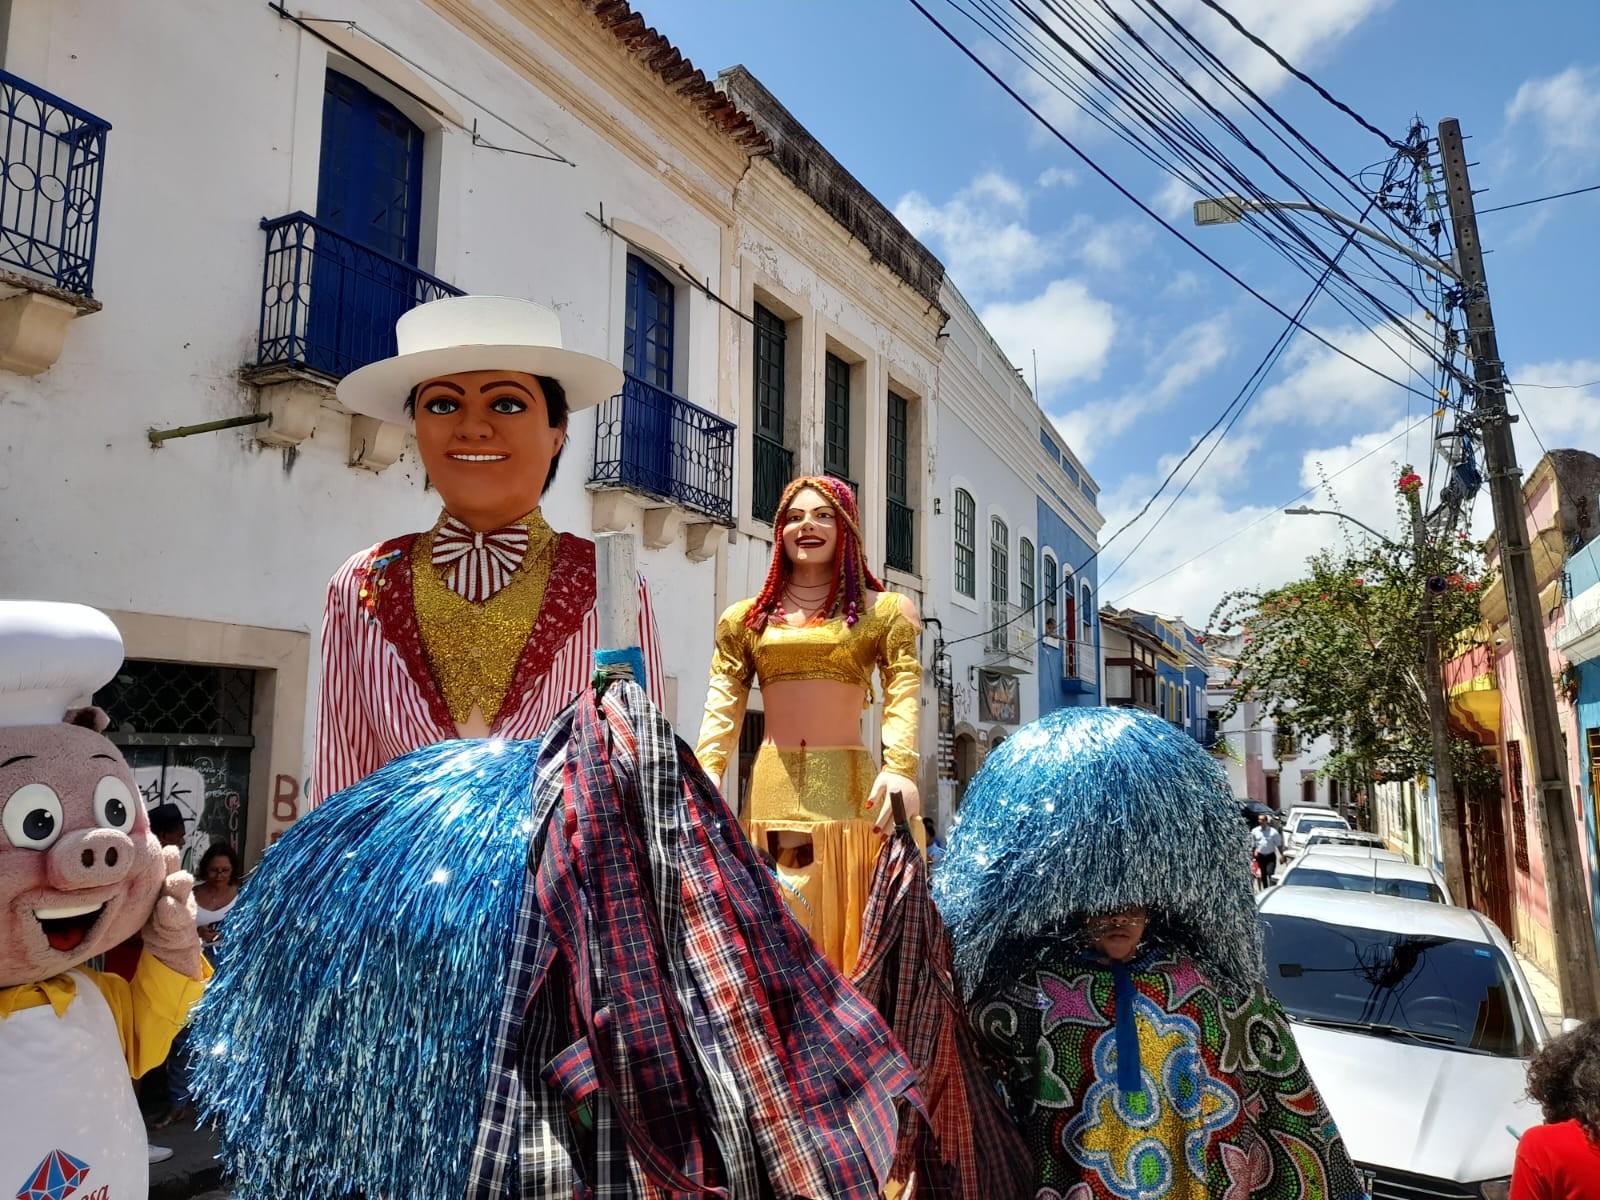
(900, 543)
(52, 160)
(650, 441)
(1010, 632)
(1079, 662)
(772, 466)
(328, 303)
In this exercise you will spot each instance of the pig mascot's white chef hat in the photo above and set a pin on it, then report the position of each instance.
(53, 657)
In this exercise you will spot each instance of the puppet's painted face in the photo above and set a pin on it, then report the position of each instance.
(79, 867)
(810, 528)
(486, 440)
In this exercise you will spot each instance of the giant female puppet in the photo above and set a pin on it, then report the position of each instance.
(815, 635)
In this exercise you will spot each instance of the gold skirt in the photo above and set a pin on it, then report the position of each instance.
(820, 792)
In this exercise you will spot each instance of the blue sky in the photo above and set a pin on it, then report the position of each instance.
(1140, 342)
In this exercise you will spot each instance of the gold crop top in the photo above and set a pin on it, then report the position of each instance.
(884, 637)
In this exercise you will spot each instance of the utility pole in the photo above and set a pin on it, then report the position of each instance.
(1444, 776)
(1576, 966)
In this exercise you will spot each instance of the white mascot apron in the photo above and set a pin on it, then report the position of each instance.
(69, 1123)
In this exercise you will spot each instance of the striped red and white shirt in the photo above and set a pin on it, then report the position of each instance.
(378, 698)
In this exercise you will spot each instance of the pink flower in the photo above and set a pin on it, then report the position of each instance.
(1360, 582)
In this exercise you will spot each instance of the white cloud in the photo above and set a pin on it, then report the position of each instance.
(981, 233)
(1175, 199)
(1323, 387)
(1055, 177)
(1561, 110)
(1260, 546)
(1188, 357)
(1108, 246)
(1069, 328)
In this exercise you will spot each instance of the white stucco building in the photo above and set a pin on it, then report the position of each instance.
(276, 187)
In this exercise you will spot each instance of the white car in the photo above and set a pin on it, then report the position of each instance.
(1417, 1026)
(1349, 850)
(1302, 821)
(1346, 836)
(1365, 873)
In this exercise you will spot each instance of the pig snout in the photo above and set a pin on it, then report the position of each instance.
(90, 858)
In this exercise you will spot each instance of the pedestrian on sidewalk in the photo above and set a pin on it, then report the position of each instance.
(1267, 844)
(1560, 1160)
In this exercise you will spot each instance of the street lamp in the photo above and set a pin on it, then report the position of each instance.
(1230, 210)
(1438, 719)
(1328, 512)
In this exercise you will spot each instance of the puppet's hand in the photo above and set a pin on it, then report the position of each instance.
(170, 933)
(878, 806)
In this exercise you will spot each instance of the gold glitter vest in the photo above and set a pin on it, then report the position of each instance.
(474, 649)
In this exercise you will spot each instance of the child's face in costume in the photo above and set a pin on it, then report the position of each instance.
(810, 528)
(487, 443)
(1117, 935)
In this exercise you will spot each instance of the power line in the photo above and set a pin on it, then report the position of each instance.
(1276, 509)
(1541, 199)
(1143, 207)
(1559, 387)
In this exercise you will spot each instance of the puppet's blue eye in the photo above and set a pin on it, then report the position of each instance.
(32, 818)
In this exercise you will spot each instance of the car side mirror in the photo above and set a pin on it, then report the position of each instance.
(1568, 1024)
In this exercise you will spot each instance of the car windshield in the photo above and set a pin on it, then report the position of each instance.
(1440, 989)
(1405, 889)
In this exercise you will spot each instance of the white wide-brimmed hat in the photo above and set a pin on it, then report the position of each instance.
(476, 333)
(52, 656)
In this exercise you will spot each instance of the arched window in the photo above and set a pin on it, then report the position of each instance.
(966, 544)
(1052, 626)
(999, 561)
(1025, 576)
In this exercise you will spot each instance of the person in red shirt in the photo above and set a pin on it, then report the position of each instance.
(1560, 1160)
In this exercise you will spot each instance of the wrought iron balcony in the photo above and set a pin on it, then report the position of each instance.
(1010, 637)
(772, 466)
(329, 304)
(900, 550)
(650, 441)
(52, 156)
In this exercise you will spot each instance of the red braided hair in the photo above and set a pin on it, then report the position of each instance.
(852, 578)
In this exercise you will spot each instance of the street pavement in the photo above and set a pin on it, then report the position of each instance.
(1545, 993)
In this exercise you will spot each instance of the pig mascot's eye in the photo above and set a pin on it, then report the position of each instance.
(32, 818)
(113, 804)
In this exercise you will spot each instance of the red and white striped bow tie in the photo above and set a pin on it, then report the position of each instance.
(477, 565)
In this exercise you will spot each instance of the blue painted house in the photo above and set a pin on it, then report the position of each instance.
(1068, 573)
(1578, 641)
(1180, 668)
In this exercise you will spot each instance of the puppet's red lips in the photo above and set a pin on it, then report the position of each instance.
(67, 926)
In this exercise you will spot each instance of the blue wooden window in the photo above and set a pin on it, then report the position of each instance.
(1088, 614)
(369, 183)
(651, 312)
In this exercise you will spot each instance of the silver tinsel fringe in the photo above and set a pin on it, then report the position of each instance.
(342, 1045)
(1090, 810)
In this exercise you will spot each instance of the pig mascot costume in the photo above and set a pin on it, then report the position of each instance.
(80, 872)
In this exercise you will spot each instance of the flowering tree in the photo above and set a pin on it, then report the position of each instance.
(1340, 650)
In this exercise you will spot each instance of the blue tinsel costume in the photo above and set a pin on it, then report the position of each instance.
(1172, 1076)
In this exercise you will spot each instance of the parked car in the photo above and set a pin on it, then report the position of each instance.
(1417, 1025)
(1355, 850)
(1365, 873)
(1302, 821)
(1344, 836)
(1254, 810)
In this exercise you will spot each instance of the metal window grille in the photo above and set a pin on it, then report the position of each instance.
(999, 561)
(650, 441)
(1025, 577)
(772, 467)
(1519, 808)
(901, 541)
(769, 373)
(966, 544)
(651, 314)
(182, 699)
(1593, 738)
(52, 157)
(836, 418)
(328, 303)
